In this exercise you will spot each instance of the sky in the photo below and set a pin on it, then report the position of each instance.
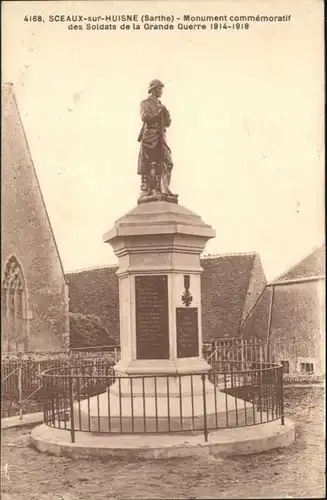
(247, 122)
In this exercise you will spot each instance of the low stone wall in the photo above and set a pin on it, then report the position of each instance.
(64, 354)
(12, 357)
(303, 379)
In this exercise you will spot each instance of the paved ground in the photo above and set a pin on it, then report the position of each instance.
(29, 419)
(294, 472)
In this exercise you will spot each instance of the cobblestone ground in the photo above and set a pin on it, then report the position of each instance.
(294, 472)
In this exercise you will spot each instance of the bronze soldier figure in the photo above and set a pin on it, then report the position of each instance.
(155, 163)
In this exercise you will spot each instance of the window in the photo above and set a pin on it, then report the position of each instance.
(306, 367)
(286, 365)
(13, 295)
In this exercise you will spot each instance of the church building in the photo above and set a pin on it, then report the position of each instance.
(34, 295)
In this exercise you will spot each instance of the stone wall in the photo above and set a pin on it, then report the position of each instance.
(296, 324)
(77, 355)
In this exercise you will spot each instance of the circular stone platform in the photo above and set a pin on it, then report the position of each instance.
(234, 441)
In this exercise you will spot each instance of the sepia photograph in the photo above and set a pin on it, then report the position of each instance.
(163, 250)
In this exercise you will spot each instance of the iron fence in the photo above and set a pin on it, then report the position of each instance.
(219, 351)
(22, 384)
(79, 399)
(22, 387)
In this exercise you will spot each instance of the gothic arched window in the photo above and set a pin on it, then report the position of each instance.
(13, 300)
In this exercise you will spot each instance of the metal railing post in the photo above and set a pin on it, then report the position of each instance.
(20, 391)
(282, 395)
(205, 425)
(45, 400)
(53, 406)
(71, 404)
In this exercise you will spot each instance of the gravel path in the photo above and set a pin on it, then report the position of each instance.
(294, 472)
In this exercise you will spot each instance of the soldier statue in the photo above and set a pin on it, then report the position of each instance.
(155, 163)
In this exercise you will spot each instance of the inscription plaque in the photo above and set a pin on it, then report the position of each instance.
(187, 332)
(152, 326)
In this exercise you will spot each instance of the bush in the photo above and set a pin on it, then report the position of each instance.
(88, 331)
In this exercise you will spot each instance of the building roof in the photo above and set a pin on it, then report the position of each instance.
(311, 266)
(293, 311)
(95, 291)
(230, 285)
(12, 124)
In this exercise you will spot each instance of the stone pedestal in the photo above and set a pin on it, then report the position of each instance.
(159, 245)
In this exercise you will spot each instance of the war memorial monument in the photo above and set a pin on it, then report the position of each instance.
(163, 400)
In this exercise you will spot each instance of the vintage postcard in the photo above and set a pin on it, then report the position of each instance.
(163, 249)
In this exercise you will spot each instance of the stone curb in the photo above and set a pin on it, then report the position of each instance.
(303, 386)
(236, 441)
(28, 420)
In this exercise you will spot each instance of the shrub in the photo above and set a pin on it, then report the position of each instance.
(88, 331)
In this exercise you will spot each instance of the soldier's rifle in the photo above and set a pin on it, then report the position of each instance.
(162, 152)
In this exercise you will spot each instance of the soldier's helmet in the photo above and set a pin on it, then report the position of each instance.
(153, 84)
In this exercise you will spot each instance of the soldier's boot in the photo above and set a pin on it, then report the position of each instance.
(152, 179)
(158, 184)
(157, 178)
(168, 183)
(144, 185)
